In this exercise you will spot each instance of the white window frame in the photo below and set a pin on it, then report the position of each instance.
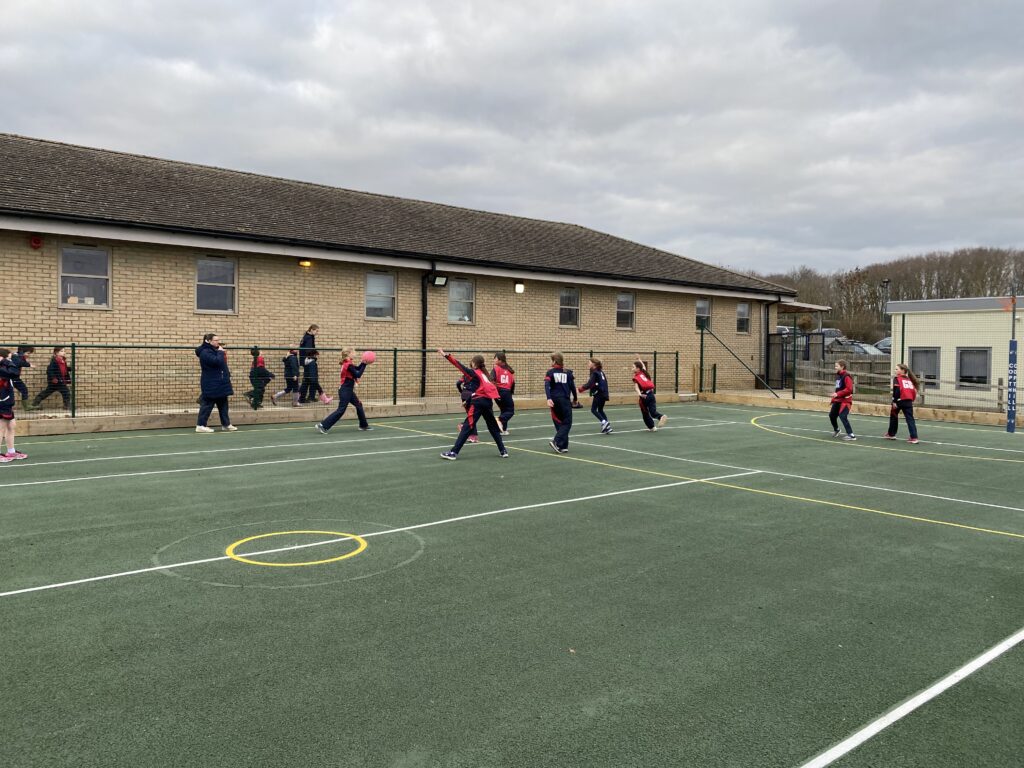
(393, 296)
(632, 312)
(926, 383)
(740, 318)
(61, 274)
(196, 283)
(472, 301)
(561, 306)
(698, 316)
(969, 385)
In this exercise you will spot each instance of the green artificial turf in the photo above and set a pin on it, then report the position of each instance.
(749, 621)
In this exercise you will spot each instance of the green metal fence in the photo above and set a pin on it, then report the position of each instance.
(129, 380)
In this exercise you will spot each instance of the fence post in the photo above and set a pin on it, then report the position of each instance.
(677, 372)
(714, 377)
(700, 374)
(394, 375)
(655, 378)
(74, 379)
(794, 354)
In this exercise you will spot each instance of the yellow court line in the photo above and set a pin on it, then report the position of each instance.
(922, 452)
(807, 499)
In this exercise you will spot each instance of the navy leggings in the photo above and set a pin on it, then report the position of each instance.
(561, 415)
(479, 408)
(649, 408)
(597, 408)
(841, 410)
(346, 395)
(907, 408)
(508, 407)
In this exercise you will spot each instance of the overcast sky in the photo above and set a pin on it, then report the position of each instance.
(755, 135)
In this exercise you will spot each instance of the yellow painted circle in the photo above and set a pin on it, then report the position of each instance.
(230, 551)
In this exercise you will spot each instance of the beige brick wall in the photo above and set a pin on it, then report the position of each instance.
(152, 302)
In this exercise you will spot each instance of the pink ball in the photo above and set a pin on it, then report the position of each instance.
(369, 356)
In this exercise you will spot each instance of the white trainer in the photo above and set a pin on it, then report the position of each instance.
(228, 428)
(203, 429)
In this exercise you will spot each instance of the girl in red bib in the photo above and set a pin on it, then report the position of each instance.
(904, 392)
(644, 386)
(482, 394)
(505, 380)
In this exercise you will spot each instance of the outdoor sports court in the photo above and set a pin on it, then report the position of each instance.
(737, 589)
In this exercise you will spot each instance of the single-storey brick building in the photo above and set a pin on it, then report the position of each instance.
(111, 248)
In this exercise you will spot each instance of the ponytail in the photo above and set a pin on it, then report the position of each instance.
(910, 375)
(500, 356)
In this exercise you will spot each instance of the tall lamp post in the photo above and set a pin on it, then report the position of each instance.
(885, 293)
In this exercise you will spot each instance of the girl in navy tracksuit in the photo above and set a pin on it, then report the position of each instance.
(482, 393)
(904, 392)
(842, 401)
(598, 386)
(20, 360)
(291, 377)
(505, 380)
(644, 386)
(350, 375)
(560, 390)
(311, 389)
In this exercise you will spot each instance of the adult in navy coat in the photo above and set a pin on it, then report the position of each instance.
(214, 383)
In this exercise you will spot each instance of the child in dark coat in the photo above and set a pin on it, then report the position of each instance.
(259, 377)
(311, 390)
(58, 376)
(291, 377)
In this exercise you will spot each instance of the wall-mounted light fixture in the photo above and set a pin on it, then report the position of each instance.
(439, 280)
(520, 287)
(305, 263)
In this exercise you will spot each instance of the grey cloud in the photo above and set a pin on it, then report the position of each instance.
(750, 134)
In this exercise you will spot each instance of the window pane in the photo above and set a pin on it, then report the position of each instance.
(84, 290)
(76, 262)
(743, 310)
(219, 272)
(460, 290)
(380, 306)
(215, 298)
(925, 363)
(703, 307)
(568, 316)
(380, 285)
(623, 319)
(974, 366)
(460, 312)
(624, 302)
(742, 325)
(569, 297)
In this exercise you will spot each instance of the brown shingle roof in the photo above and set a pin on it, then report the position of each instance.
(54, 180)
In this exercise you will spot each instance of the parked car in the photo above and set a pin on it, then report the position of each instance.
(848, 347)
(830, 333)
(885, 345)
(783, 329)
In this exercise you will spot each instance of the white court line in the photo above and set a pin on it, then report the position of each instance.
(157, 434)
(322, 442)
(875, 727)
(808, 478)
(876, 437)
(932, 424)
(214, 468)
(389, 531)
